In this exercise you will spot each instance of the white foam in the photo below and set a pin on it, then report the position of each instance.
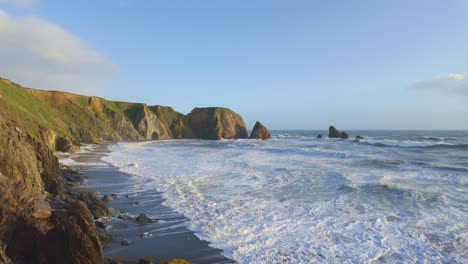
(287, 201)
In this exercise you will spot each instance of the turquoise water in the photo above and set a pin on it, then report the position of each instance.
(394, 197)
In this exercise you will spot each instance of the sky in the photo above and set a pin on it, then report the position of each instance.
(291, 64)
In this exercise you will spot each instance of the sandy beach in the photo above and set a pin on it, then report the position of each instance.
(159, 242)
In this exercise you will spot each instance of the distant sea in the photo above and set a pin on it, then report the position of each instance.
(394, 197)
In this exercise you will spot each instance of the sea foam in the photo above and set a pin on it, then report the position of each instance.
(305, 200)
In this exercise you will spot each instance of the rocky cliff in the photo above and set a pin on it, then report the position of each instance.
(62, 120)
(37, 223)
(41, 220)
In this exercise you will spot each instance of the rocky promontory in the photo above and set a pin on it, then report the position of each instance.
(259, 132)
(42, 218)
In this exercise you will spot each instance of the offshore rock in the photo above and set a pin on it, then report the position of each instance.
(216, 123)
(260, 132)
(334, 133)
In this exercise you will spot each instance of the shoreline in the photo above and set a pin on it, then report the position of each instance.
(159, 242)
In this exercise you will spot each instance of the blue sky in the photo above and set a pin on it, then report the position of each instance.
(290, 64)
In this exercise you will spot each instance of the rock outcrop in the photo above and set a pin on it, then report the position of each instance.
(334, 133)
(216, 123)
(36, 225)
(259, 132)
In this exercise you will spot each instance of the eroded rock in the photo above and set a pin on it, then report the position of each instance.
(260, 132)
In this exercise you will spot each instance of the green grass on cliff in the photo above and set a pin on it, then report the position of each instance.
(77, 117)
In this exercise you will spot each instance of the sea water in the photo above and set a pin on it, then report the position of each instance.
(394, 197)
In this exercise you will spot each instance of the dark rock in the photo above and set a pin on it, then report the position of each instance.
(144, 261)
(344, 135)
(124, 217)
(260, 132)
(111, 261)
(100, 225)
(68, 236)
(104, 237)
(114, 212)
(71, 176)
(333, 132)
(136, 203)
(97, 207)
(124, 243)
(107, 198)
(319, 136)
(358, 138)
(65, 145)
(145, 235)
(143, 219)
(114, 195)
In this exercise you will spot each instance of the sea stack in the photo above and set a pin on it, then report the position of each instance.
(259, 132)
(334, 133)
(216, 123)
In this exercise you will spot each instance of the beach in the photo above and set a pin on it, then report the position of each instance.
(158, 242)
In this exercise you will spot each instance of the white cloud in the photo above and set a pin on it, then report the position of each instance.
(37, 53)
(20, 4)
(452, 83)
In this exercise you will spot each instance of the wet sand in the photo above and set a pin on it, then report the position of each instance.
(162, 241)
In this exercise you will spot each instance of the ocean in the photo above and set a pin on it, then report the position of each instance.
(394, 197)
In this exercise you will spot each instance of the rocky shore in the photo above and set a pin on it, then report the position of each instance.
(43, 218)
(138, 226)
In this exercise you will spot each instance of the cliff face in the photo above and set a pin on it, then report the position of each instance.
(36, 225)
(216, 123)
(61, 120)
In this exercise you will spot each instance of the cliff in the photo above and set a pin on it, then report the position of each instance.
(37, 225)
(62, 120)
(41, 219)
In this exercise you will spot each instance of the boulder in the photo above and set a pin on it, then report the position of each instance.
(97, 207)
(64, 145)
(319, 136)
(216, 123)
(260, 132)
(334, 133)
(42, 209)
(358, 138)
(107, 198)
(143, 219)
(344, 135)
(100, 225)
